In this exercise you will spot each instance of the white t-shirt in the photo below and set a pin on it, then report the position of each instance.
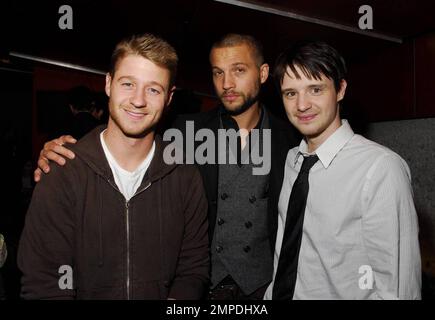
(127, 182)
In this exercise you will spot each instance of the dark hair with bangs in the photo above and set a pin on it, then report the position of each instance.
(314, 59)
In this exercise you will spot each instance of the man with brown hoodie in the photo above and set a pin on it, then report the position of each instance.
(119, 223)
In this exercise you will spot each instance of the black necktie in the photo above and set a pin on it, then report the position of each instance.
(285, 278)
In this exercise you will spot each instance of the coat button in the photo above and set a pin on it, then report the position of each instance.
(224, 196)
(247, 249)
(252, 199)
(219, 249)
(220, 221)
(248, 224)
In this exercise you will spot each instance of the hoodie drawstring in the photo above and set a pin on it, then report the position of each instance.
(164, 272)
(100, 223)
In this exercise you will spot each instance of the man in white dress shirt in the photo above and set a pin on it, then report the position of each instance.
(360, 228)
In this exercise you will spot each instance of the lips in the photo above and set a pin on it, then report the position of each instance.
(306, 118)
(230, 97)
(135, 115)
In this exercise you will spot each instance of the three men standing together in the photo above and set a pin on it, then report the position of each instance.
(301, 231)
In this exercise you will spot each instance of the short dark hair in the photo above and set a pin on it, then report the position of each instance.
(314, 59)
(150, 47)
(236, 39)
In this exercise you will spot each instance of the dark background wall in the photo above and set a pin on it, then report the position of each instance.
(414, 140)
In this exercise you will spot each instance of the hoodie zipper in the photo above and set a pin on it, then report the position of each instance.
(127, 224)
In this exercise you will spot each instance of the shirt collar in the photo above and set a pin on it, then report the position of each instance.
(331, 147)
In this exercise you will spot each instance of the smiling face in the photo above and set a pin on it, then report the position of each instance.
(237, 77)
(138, 93)
(312, 105)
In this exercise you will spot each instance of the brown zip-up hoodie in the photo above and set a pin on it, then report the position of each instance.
(155, 246)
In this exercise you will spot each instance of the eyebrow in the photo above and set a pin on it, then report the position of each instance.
(321, 85)
(239, 63)
(233, 65)
(287, 90)
(148, 83)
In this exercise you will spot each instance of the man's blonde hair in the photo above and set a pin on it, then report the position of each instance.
(150, 47)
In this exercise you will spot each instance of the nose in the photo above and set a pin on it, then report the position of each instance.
(228, 82)
(138, 99)
(303, 103)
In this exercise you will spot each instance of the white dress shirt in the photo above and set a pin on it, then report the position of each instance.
(360, 221)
